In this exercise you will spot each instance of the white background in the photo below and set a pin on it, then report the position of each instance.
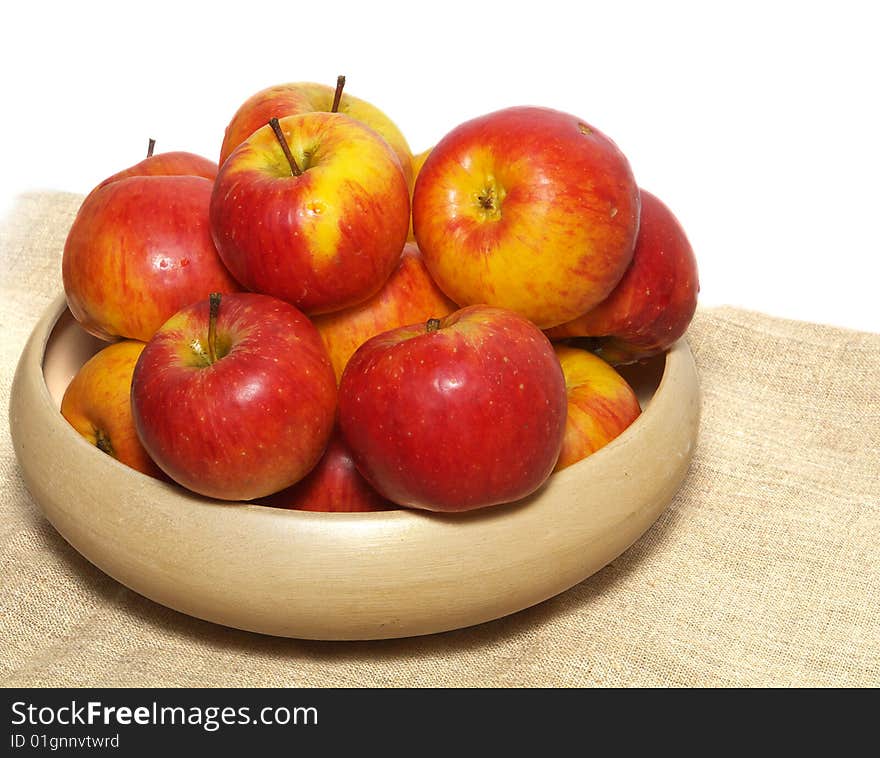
(758, 124)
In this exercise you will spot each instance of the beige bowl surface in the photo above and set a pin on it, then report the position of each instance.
(340, 575)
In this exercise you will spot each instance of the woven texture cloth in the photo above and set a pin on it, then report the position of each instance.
(763, 571)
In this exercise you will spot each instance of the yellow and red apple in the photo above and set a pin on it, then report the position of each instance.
(140, 248)
(97, 403)
(409, 296)
(418, 161)
(601, 404)
(173, 163)
(306, 97)
(528, 209)
(315, 214)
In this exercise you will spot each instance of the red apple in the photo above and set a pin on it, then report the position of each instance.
(409, 296)
(333, 485)
(97, 403)
(175, 163)
(305, 97)
(601, 404)
(655, 300)
(529, 209)
(235, 400)
(315, 214)
(138, 251)
(459, 413)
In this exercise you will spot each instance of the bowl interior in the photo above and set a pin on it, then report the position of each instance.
(69, 346)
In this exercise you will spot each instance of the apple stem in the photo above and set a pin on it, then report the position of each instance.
(337, 96)
(102, 442)
(276, 127)
(150, 145)
(213, 310)
(432, 325)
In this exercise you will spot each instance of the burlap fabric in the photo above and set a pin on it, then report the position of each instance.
(765, 569)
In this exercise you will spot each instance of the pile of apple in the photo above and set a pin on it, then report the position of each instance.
(326, 322)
